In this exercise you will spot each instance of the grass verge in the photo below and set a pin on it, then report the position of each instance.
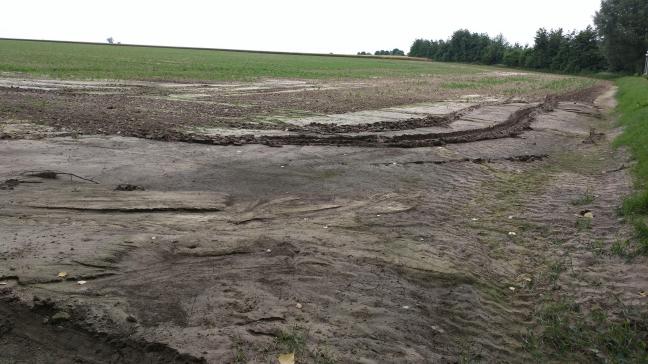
(569, 334)
(633, 115)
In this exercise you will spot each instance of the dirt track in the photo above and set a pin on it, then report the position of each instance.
(429, 254)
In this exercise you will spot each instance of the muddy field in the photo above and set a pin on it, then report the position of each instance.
(180, 223)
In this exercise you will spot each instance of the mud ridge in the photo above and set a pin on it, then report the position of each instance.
(326, 134)
(524, 158)
(413, 123)
(132, 210)
(515, 124)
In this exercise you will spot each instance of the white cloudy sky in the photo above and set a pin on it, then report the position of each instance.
(340, 26)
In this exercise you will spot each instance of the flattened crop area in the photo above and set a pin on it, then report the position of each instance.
(313, 232)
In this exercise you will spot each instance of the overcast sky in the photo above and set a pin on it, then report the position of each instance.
(339, 26)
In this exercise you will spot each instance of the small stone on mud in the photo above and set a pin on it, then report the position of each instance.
(268, 250)
(131, 318)
(60, 317)
(3, 283)
(299, 306)
(437, 329)
(286, 358)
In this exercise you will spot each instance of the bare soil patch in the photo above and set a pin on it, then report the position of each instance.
(352, 250)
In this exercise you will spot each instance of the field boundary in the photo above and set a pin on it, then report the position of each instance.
(390, 58)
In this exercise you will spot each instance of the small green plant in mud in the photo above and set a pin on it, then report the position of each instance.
(555, 270)
(567, 333)
(239, 356)
(238, 353)
(620, 248)
(587, 198)
(293, 340)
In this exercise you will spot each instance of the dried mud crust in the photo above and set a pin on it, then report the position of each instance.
(26, 336)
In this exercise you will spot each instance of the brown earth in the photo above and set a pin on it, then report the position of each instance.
(156, 110)
(341, 254)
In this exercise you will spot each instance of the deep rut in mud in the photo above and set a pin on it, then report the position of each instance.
(30, 338)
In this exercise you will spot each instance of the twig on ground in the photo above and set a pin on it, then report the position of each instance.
(53, 175)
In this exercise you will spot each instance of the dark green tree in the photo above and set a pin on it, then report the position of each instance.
(494, 52)
(623, 27)
(540, 56)
(514, 56)
(419, 48)
(586, 52)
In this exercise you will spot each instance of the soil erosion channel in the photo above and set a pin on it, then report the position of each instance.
(339, 245)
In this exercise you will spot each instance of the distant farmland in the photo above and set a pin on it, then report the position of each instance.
(87, 61)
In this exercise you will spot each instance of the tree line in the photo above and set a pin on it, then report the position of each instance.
(618, 43)
(393, 52)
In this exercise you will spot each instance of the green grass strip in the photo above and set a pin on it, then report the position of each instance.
(633, 115)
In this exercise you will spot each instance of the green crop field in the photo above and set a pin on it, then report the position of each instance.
(94, 61)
